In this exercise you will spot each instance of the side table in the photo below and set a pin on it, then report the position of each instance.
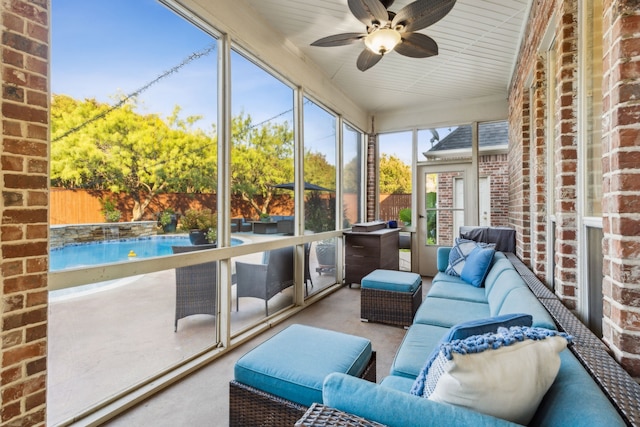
(319, 415)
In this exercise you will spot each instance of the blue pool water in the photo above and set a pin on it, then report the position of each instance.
(91, 254)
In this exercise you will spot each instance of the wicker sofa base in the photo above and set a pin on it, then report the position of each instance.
(394, 308)
(249, 406)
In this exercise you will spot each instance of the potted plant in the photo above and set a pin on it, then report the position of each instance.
(264, 217)
(110, 211)
(168, 220)
(201, 226)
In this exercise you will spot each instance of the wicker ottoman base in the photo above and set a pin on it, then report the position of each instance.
(249, 406)
(390, 307)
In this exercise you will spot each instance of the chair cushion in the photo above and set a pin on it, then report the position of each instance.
(391, 280)
(477, 266)
(293, 363)
(504, 374)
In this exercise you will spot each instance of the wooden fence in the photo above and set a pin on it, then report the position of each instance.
(391, 204)
(84, 206)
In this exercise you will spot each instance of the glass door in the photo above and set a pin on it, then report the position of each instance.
(446, 201)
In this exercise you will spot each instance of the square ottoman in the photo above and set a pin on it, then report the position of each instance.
(276, 382)
(390, 296)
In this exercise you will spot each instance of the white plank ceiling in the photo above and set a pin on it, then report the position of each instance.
(478, 43)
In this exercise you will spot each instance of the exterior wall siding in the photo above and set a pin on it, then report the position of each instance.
(24, 230)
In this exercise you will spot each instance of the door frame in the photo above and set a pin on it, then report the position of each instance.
(427, 254)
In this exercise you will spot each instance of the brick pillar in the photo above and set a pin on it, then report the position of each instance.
(24, 206)
(621, 186)
(371, 177)
(566, 154)
(519, 173)
(539, 171)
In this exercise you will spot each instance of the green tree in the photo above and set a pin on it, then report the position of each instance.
(317, 170)
(395, 175)
(261, 157)
(124, 151)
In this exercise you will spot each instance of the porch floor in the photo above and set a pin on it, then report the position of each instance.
(203, 397)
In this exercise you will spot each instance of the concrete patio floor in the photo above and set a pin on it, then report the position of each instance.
(202, 399)
(105, 338)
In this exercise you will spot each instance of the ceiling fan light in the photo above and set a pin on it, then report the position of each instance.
(382, 41)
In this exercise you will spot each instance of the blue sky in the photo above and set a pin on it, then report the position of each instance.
(106, 49)
(101, 49)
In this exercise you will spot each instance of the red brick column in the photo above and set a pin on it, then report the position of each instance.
(566, 154)
(621, 187)
(519, 173)
(539, 168)
(24, 210)
(371, 177)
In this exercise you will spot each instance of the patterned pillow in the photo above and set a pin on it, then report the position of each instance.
(504, 374)
(465, 330)
(459, 253)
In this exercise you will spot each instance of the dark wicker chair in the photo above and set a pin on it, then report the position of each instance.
(267, 279)
(196, 291)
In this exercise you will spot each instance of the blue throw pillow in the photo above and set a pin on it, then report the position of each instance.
(477, 266)
(459, 253)
(465, 330)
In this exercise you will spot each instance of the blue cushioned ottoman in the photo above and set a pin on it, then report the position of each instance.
(390, 296)
(279, 379)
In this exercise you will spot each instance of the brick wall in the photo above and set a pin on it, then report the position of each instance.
(370, 214)
(621, 187)
(539, 155)
(24, 157)
(529, 172)
(566, 154)
(496, 167)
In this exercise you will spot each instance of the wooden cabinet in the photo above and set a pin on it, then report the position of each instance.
(368, 251)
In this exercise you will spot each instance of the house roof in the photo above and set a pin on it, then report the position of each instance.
(489, 134)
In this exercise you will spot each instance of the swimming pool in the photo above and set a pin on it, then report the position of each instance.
(96, 253)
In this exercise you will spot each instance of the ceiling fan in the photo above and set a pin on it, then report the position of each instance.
(387, 31)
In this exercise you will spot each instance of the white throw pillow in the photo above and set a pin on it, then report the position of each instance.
(505, 375)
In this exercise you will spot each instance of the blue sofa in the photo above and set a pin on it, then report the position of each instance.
(573, 399)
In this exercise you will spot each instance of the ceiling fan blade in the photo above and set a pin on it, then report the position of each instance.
(422, 13)
(338, 39)
(367, 59)
(416, 45)
(369, 11)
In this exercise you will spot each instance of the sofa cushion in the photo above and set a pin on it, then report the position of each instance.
(447, 312)
(504, 374)
(457, 289)
(465, 330)
(560, 407)
(477, 266)
(459, 253)
(418, 342)
(499, 265)
(509, 280)
(395, 408)
(521, 300)
(442, 257)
